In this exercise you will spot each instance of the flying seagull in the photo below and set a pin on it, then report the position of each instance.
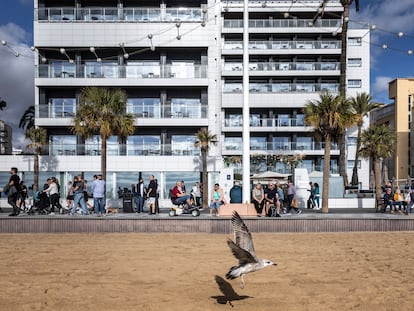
(243, 250)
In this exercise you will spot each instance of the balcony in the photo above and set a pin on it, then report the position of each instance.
(294, 124)
(65, 149)
(283, 23)
(114, 14)
(283, 66)
(229, 45)
(114, 71)
(59, 108)
(234, 147)
(282, 87)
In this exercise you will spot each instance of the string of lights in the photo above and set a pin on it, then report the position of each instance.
(320, 11)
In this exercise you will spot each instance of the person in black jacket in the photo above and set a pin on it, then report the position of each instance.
(13, 191)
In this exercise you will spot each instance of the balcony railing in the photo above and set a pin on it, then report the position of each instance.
(102, 70)
(283, 45)
(278, 147)
(64, 109)
(113, 14)
(282, 87)
(266, 122)
(65, 149)
(284, 66)
(283, 23)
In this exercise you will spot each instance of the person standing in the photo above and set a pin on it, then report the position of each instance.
(258, 199)
(152, 195)
(22, 195)
(139, 195)
(78, 187)
(70, 196)
(291, 192)
(13, 191)
(98, 190)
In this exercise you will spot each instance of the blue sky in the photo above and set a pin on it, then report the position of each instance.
(389, 17)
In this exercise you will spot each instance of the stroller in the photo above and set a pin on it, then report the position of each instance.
(41, 203)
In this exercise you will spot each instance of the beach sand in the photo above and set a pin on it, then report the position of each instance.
(323, 271)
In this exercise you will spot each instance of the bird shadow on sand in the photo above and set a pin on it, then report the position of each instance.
(228, 292)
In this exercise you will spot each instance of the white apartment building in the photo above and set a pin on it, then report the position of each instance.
(180, 62)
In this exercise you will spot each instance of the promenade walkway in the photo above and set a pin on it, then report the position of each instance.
(338, 220)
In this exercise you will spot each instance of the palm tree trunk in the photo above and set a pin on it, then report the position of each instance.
(205, 177)
(326, 174)
(378, 190)
(342, 159)
(344, 35)
(354, 180)
(36, 170)
(103, 157)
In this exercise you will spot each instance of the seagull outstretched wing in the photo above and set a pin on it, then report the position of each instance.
(242, 236)
(241, 254)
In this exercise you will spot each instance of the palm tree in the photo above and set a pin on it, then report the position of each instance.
(342, 82)
(362, 105)
(103, 111)
(2, 104)
(37, 136)
(203, 140)
(27, 120)
(326, 116)
(377, 142)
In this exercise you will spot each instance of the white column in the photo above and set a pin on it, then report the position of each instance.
(246, 110)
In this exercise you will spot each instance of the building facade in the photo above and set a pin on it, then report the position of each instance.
(398, 116)
(180, 62)
(6, 136)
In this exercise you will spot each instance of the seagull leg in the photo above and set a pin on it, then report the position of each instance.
(242, 281)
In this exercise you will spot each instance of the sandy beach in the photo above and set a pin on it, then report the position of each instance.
(329, 271)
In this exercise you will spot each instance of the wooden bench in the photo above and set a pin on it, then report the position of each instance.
(242, 209)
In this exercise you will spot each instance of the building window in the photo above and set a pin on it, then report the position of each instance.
(183, 145)
(354, 83)
(144, 145)
(354, 62)
(354, 41)
(144, 107)
(352, 140)
(351, 164)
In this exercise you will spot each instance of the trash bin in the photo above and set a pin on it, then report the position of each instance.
(127, 203)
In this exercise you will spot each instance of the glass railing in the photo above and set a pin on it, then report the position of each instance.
(282, 87)
(266, 122)
(105, 14)
(66, 108)
(102, 70)
(278, 146)
(182, 149)
(281, 45)
(283, 66)
(283, 23)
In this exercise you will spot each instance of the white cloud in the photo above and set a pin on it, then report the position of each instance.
(380, 88)
(17, 78)
(26, 2)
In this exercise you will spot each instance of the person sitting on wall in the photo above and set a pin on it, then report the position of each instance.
(236, 193)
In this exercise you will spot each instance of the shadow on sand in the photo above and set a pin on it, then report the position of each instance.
(229, 294)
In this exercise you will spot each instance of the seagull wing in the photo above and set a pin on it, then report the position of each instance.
(241, 254)
(242, 235)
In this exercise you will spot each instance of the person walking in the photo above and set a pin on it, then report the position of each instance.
(78, 188)
(152, 195)
(291, 192)
(99, 189)
(13, 191)
(53, 191)
(317, 196)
